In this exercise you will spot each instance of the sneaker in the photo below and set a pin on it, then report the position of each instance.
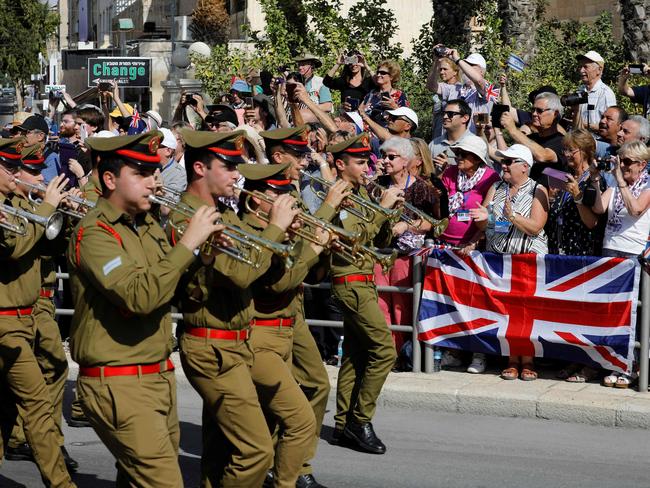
(450, 360)
(477, 365)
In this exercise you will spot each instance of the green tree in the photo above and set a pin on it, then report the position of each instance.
(210, 22)
(25, 27)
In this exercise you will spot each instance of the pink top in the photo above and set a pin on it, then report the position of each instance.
(459, 233)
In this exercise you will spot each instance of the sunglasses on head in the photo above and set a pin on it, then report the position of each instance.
(390, 157)
(383, 72)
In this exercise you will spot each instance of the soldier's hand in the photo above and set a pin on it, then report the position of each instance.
(55, 191)
(204, 223)
(284, 211)
(338, 192)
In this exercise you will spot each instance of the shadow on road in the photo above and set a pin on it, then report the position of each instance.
(87, 480)
(191, 438)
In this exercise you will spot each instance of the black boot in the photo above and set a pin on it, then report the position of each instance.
(308, 481)
(364, 437)
(70, 463)
(22, 452)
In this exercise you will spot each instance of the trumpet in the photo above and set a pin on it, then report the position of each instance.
(52, 224)
(385, 260)
(437, 226)
(368, 210)
(35, 189)
(248, 242)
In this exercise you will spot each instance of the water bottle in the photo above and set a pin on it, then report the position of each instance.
(490, 210)
(437, 359)
(339, 352)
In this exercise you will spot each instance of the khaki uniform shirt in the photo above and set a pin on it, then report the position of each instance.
(275, 292)
(218, 296)
(92, 190)
(20, 266)
(373, 233)
(123, 275)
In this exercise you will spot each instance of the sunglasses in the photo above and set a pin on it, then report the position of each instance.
(390, 157)
(450, 114)
(509, 161)
(540, 111)
(630, 162)
(383, 72)
(461, 153)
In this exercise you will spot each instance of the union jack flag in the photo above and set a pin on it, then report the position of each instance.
(576, 308)
(135, 118)
(491, 92)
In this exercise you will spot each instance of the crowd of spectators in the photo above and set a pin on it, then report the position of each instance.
(560, 176)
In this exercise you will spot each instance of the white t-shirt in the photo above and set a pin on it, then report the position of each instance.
(600, 98)
(633, 234)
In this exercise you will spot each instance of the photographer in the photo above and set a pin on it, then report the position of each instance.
(448, 72)
(261, 115)
(386, 96)
(479, 93)
(193, 101)
(546, 142)
(599, 95)
(355, 81)
(638, 94)
(318, 92)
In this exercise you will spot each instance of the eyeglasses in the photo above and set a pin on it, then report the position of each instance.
(450, 114)
(509, 161)
(630, 162)
(570, 152)
(461, 153)
(383, 72)
(540, 111)
(390, 157)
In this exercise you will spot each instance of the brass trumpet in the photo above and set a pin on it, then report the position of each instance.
(385, 260)
(35, 189)
(52, 224)
(369, 209)
(437, 226)
(249, 242)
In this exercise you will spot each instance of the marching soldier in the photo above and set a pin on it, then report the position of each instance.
(217, 309)
(48, 346)
(368, 351)
(20, 281)
(290, 146)
(123, 276)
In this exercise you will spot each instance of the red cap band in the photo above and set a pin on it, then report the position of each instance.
(9, 155)
(278, 182)
(225, 152)
(294, 142)
(138, 156)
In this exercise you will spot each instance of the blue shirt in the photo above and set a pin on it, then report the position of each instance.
(52, 167)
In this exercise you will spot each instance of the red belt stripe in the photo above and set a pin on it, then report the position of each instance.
(228, 335)
(133, 370)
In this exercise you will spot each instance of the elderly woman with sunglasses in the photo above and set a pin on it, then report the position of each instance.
(520, 210)
(397, 154)
(386, 96)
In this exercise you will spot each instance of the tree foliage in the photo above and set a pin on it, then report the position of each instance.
(25, 27)
(210, 22)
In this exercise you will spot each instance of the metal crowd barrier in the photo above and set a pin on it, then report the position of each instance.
(643, 318)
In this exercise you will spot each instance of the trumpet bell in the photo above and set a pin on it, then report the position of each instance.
(53, 226)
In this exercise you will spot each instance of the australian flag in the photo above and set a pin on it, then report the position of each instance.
(576, 308)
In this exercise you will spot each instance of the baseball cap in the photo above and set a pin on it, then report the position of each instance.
(474, 145)
(35, 122)
(518, 151)
(405, 112)
(477, 60)
(592, 56)
(240, 86)
(168, 139)
(356, 118)
(116, 111)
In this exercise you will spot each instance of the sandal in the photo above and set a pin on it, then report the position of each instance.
(610, 380)
(510, 373)
(569, 370)
(585, 375)
(625, 381)
(528, 373)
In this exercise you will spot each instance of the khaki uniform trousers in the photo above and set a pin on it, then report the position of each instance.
(237, 447)
(21, 375)
(368, 353)
(136, 419)
(281, 396)
(51, 358)
(310, 373)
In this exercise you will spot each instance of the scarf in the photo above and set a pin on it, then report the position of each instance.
(614, 221)
(463, 185)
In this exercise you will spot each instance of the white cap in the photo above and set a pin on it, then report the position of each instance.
(405, 112)
(473, 144)
(356, 118)
(105, 133)
(477, 60)
(168, 138)
(518, 151)
(152, 114)
(592, 56)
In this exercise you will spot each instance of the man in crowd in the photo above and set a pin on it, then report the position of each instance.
(608, 129)
(638, 94)
(546, 142)
(635, 128)
(173, 174)
(600, 96)
(401, 122)
(455, 123)
(318, 92)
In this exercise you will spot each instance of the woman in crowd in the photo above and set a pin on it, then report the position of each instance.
(355, 81)
(628, 219)
(571, 224)
(467, 184)
(447, 72)
(397, 153)
(421, 166)
(386, 96)
(520, 210)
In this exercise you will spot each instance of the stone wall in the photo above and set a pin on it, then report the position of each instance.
(585, 11)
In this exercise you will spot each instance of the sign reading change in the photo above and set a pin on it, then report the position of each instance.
(127, 72)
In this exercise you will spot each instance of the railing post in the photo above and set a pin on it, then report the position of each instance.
(417, 289)
(644, 332)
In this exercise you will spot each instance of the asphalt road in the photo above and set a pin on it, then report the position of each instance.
(425, 449)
